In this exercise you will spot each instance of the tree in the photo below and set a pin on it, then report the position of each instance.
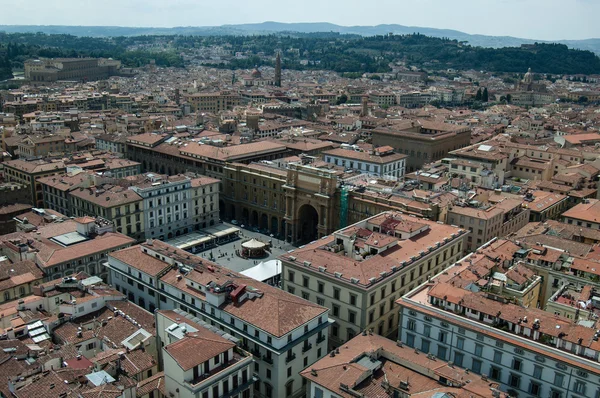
(478, 95)
(342, 99)
(508, 98)
(582, 99)
(485, 95)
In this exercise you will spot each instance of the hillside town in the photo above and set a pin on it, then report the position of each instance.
(268, 232)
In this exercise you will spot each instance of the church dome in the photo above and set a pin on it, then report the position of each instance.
(528, 78)
(256, 73)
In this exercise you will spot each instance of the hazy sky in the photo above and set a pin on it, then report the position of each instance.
(535, 19)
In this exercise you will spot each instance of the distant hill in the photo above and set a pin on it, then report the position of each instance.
(290, 28)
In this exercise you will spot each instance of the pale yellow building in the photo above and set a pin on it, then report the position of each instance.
(359, 271)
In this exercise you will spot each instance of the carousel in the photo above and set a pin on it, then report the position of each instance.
(254, 249)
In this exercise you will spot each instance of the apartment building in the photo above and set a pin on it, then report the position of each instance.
(586, 214)
(72, 246)
(579, 304)
(32, 145)
(17, 279)
(373, 366)
(360, 271)
(482, 164)
(284, 333)
(486, 221)
(198, 362)
(116, 143)
(545, 205)
(167, 204)
(381, 162)
(56, 190)
(206, 204)
(122, 206)
(529, 352)
(27, 172)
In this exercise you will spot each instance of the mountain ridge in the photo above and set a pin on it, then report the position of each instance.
(272, 27)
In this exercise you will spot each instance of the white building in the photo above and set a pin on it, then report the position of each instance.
(382, 162)
(284, 333)
(529, 352)
(201, 363)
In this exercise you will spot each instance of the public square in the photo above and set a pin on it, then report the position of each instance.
(224, 254)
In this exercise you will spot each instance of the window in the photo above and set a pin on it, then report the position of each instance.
(514, 380)
(427, 330)
(559, 379)
(289, 372)
(336, 293)
(291, 276)
(460, 343)
(410, 340)
(351, 316)
(476, 365)
(495, 372)
(352, 299)
(498, 356)
(305, 295)
(372, 299)
(411, 325)
(336, 310)
(268, 373)
(442, 336)
(305, 281)
(517, 363)
(320, 301)
(425, 346)
(537, 371)
(555, 393)
(441, 351)
(579, 387)
(535, 388)
(458, 359)
(320, 287)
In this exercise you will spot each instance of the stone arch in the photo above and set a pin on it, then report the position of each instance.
(222, 209)
(264, 222)
(254, 218)
(308, 220)
(245, 216)
(274, 225)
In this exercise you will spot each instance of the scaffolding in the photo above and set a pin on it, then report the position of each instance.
(344, 207)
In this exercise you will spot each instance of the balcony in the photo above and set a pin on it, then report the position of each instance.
(320, 339)
(237, 357)
(256, 352)
(290, 358)
(306, 347)
(268, 359)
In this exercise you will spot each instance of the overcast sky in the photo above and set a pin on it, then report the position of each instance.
(534, 19)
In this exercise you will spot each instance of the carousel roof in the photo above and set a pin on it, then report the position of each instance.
(253, 244)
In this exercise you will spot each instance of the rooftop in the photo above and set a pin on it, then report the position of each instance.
(369, 251)
(369, 363)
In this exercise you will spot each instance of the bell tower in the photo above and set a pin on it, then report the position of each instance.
(278, 70)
